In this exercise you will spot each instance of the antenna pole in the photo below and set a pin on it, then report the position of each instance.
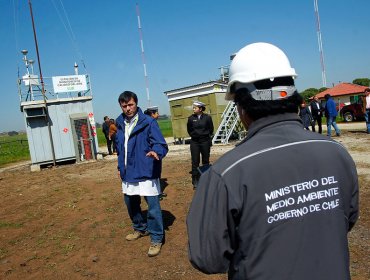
(143, 54)
(319, 38)
(42, 84)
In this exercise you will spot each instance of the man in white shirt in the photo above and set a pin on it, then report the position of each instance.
(141, 147)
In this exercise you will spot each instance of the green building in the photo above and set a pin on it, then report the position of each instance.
(213, 95)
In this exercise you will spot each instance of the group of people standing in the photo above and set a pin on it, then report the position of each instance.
(313, 114)
(255, 210)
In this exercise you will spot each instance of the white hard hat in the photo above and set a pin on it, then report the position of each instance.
(258, 61)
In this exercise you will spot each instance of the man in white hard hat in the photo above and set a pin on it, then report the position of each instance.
(280, 204)
(200, 129)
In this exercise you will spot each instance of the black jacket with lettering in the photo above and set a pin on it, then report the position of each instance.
(261, 212)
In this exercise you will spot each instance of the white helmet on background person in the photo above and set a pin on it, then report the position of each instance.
(198, 104)
(256, 62)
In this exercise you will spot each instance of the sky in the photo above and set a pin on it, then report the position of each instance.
(185, 43)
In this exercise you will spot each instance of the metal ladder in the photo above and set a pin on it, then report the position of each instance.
(230, 118)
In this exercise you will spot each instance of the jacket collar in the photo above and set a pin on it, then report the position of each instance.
(142, 121)
(262, 123)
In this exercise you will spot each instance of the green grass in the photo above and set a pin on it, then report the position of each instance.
(166, 127)
(9, 225)
(13, 149)
(101, 137)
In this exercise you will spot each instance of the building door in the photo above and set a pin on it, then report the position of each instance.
(82, 138)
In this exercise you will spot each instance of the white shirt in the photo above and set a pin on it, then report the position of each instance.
(368, 102)
(144, 188)
(129, 127)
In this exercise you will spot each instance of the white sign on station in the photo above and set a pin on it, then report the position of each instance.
(69, 83)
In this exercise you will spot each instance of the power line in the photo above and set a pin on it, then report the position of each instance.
(68, 27)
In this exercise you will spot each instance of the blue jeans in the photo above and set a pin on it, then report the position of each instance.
(367, 119)
(154, 221)
(330, 121)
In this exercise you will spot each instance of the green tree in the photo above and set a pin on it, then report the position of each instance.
(12, 133)
(362, 82)
(308, 93)
(322, 89)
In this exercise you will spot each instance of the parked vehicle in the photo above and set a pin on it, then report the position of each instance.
(352, 112)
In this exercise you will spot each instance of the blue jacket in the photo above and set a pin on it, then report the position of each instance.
(146, 136)
(330, 108)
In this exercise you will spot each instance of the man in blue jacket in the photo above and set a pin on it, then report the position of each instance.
(140, 147)
(331, 114)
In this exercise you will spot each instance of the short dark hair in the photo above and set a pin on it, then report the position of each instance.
(327, 96)
(126, 97)
(257, 109)
(106, 118)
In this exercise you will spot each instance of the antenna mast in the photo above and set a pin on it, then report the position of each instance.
(143, 54)
(42, 84)
(323, 74)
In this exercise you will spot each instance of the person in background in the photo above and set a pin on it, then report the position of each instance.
(366, 109)
(200, 128)
(154, 113)
(316, 112)
(331, 114)
(112, 135)
(277, 206)
(305, 115)
(105, 129)
(141, 148)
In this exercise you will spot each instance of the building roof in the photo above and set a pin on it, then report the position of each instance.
(342, 89)
(201, 85)
(197, 90)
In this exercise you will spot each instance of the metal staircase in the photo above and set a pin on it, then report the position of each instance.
(230, 119)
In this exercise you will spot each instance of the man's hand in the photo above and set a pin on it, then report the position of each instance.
(153, 155)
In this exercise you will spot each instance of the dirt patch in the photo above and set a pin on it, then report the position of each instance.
(69, 222)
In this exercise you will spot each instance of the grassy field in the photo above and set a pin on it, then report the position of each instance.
(15, 148)
(166, 127)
